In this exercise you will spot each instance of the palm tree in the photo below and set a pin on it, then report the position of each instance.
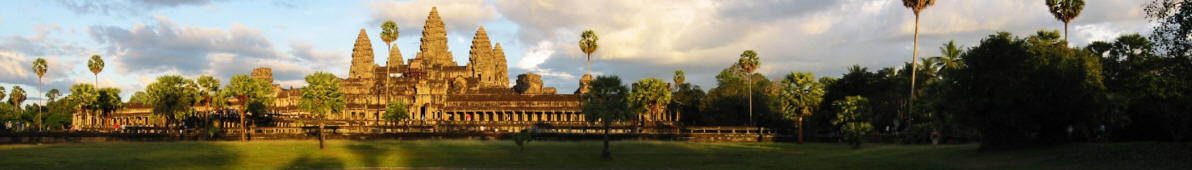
(680, 78)
(322, 97)
(53, 94)
(388, 34)
(917, 7)
(39, 67)
(951, 56)
(748, 63)
(1065, 11)
(799, 96)
(96, 66)
(587, 43)
(604, 104)
(16, 97)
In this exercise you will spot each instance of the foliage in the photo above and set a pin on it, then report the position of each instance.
(679, 78)
(1145, 90)
(248, 90)
(16, 97)
(85, 96)
(39, 67)
(799, 94)
(607, 101)
(724, 104)
(322, 95)
(389, 31)
(1170, 36)
(587, 42)
(917, 6)
(687, 99)
(396, 111)
(649, 96)
(1026, 91)
(851, 119)
(108, 100)
(1065, 11)
(53, 94)
(172, 96)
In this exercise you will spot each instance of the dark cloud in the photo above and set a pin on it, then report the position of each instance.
(126, 7)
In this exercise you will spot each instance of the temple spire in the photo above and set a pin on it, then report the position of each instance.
(362, 58)
(434, 42)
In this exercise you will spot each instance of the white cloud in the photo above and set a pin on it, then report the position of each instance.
(459, 16)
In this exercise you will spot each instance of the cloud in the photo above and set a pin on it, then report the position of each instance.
(126, 7)
(640, 39)
(165, 45)
(459, 16)
(537, 55)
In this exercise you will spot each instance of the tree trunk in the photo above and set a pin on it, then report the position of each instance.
(589, 64)
(605, 154)
(800, 124)
(749, 88)
(914, 70)
(321, 136)
(243, 127)
(1065, 32)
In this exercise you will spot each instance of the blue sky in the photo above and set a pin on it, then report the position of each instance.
(143, 39)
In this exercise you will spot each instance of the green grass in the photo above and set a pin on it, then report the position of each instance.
(584, 154)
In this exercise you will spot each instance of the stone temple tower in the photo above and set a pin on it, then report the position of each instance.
(434, 43)
(500, 69)
(483, 62)
(362, 59)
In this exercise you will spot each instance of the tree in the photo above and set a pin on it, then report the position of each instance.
(172, 97)
(209, 89)
(107, 101)
(1065, 11)
(648, 98)
(321, 97)
(396, 111)
(1026, 91)
(389, 33)
(84, 95)
(139, 97)
(39, 67)
(680, 77)
(248, 90)
(799, 95)
(96, 66)
(917, 7)
(851, 119)
(748, 63)
(587, 44)
(53, 94)
(16, 98)
(606, 103)
(950, 59)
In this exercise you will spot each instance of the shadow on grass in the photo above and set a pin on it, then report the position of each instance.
(368, 153)
(130, 155)
(308, 161)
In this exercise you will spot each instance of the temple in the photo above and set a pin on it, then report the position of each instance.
(440, 94)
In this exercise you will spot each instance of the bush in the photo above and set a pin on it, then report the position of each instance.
(850, 119)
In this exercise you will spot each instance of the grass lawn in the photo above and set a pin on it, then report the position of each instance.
(584, 154)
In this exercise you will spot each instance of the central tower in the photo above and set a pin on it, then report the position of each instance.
(434, 51)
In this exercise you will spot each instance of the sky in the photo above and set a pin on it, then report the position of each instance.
(143, 39)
